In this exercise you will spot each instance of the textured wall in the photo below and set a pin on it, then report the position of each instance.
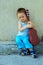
(8, 19)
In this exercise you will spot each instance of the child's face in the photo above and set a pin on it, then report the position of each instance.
(22, 17)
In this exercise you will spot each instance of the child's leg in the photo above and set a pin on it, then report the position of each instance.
(27, 43)
(19, 42)
(29, 46)
(21, 46)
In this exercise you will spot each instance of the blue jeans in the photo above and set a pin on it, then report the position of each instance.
(23, 42)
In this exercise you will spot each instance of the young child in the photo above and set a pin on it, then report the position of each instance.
(22, 38)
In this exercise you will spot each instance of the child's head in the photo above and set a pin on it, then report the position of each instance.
(21, 13)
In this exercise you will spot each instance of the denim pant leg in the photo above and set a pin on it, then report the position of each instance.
(19, 42)
(27, 43)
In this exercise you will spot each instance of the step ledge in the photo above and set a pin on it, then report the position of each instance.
(7, 42)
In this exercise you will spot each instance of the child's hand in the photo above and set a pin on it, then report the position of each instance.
(29, 22)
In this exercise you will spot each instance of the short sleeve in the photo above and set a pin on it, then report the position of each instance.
(19, 22)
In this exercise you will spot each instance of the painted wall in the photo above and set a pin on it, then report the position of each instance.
(8, 19)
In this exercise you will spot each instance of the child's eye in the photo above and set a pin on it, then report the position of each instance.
(19, 17)
(22, 16)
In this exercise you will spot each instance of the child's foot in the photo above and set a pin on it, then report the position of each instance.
(28, 52)
(23, 52)
(33, 54)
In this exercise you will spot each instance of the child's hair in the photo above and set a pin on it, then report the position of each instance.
(23, 10)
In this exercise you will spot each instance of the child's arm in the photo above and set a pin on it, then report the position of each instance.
(20, 28)
(31, 25)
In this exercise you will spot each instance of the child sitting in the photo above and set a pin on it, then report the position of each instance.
(22, 38)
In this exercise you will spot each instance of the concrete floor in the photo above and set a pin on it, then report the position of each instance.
(15, 59)
(20, 60)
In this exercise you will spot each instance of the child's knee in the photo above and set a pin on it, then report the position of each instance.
(17, 39)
